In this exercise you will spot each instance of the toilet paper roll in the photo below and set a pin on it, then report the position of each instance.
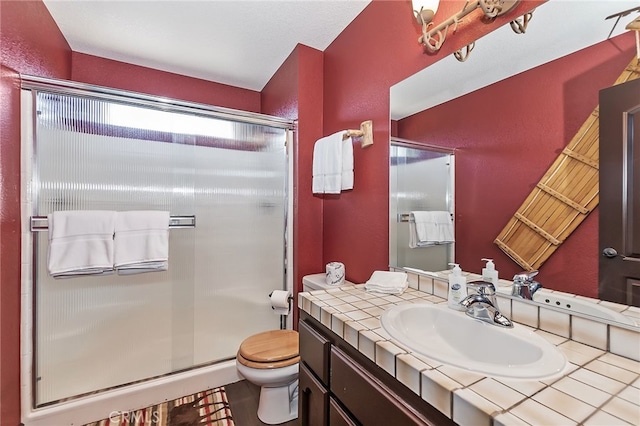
(280, 301)
(335, 273)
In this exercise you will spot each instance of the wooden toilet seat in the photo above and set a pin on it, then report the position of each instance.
(270, 349)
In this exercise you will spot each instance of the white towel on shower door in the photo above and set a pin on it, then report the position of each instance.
(141, 241)
(80, 243)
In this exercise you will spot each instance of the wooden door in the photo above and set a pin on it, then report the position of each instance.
(619, 239)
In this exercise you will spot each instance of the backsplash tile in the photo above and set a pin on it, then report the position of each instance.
(555, 322)
(624, 342)
(524, 313)
(588, 331)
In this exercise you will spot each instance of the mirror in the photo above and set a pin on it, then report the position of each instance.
(556, 30)
(420, 180)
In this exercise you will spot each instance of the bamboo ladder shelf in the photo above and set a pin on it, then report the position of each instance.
(562, 199)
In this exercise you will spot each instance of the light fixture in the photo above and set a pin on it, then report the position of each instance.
(434, 36)
(424, 10)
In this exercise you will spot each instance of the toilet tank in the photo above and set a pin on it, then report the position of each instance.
(318, 282)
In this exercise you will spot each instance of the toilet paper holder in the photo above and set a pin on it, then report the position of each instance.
(289, 299)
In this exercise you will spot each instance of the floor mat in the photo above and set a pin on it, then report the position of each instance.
(208, 408)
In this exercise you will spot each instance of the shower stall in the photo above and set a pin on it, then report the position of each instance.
(225, 171)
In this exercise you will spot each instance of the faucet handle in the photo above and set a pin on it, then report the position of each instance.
(482, 287)
(525, 276)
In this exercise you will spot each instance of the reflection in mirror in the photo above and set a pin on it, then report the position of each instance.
(420, 180)
(557, 30)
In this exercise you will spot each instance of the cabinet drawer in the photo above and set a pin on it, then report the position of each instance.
(337, 416)
(314, 351)
(368, 399)
(313, 399)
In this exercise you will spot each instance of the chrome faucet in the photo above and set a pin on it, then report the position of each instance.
(481, 304)
(524, 286)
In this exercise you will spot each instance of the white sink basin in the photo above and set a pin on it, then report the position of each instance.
(451, 337)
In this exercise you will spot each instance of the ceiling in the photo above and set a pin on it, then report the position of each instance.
(241, 43)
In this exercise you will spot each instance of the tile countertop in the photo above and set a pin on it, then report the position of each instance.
(599, 387)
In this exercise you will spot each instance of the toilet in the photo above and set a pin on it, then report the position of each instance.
(270, 360)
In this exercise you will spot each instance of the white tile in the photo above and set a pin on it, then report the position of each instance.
(426, 284)
(624, 342)
(526, 387)
(408, 371)
(630, 394)
(590, 352)
(357, 315)
(498, 393)
(413, 280)
(367, 343)
(537, 414)
(626, 363)
(555, 322)
(437, 390)
(316, 309)
(565, 404)
(623, 409)
(598, 381)
(441, 288)
(351, 332)
(592, 333)
(611, 371)
(582, 391)
(508, 419)
(602, 418)
(460, 375)
(469, 408)
(372, 323)
(524, 313)
(574, 357)
(325, 316)
(554, 339)
(386, 356)
(337, 324)
(375, 311)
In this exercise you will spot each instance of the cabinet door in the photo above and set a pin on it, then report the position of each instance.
(314, 351)
(368, 399)
(313, 399)
(337, 416)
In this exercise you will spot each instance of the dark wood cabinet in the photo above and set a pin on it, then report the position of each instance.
(339, 386)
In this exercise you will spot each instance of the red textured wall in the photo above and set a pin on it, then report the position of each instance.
(507, 136)
(295, 92)
(378, 49)
(32, 44)
(106, 72)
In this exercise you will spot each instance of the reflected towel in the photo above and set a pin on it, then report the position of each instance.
(387, 282)
(80, 243)
(141, 242)
(428, 228)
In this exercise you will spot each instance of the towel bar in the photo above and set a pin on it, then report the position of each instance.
(365, 132)
(406, 217)
(40, 223)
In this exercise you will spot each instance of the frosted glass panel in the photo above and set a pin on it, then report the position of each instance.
(93, 333)
(420, 179)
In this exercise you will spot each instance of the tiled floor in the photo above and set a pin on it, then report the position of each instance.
(243, 398)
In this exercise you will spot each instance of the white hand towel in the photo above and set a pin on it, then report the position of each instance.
(347, 164)
(327, 164)
(387, 282)
(141, 242)
(80, 243)
(427, 228)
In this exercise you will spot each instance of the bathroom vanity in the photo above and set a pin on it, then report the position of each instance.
(340, 386)
(353, 372)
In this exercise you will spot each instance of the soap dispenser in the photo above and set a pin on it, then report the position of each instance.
(457, 287)
(489, 272)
